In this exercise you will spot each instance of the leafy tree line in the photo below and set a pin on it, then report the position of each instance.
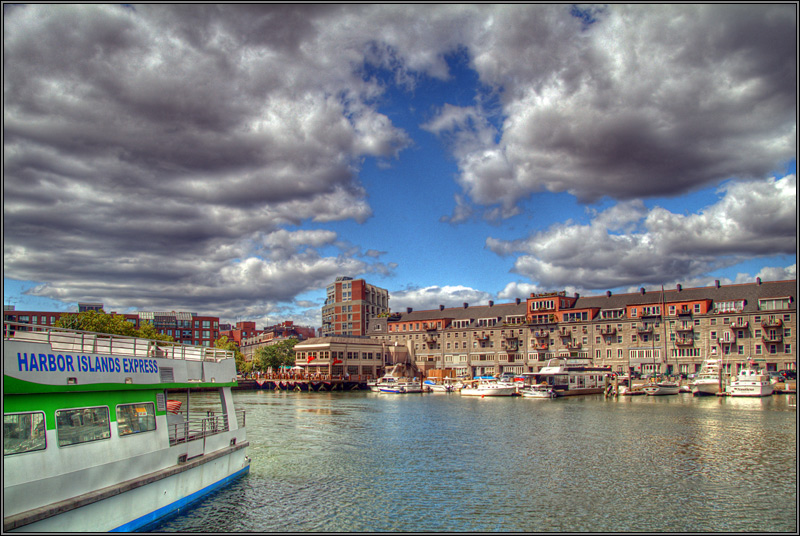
(266, 357)
(101, 322)
(276, 355)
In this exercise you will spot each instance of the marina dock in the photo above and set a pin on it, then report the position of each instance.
(303, 384)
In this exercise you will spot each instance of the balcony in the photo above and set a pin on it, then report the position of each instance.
(726, 338)
(538, 334)
(684, 341)
(481, 337)
(608, 330)
(739, 323)
(685, 328)
(564, 332)
(643, 329)
(772, 337)
(431, 327)
(684, 311)
(429, 339)
(771, 322)
(575, 345)
(542, 346)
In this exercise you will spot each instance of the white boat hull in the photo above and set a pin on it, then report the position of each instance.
(136, 508)
(538, 393)
(491, 391)
(661, 389)
(704, 388)
(750, 389)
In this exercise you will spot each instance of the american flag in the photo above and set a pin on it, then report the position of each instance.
(173, 406)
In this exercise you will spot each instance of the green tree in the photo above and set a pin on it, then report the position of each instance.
(275, 355)
(223, 343)
(102, 322)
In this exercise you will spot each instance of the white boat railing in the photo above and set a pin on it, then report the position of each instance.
(195, 427)
(70, 340)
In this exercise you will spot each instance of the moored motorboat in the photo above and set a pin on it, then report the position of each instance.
(101, 433)
(750, 382)
(661, 388)
(538, 391)
(485, 387)
(401, 387)
(709, 379)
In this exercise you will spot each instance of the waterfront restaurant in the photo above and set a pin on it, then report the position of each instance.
(348, 357)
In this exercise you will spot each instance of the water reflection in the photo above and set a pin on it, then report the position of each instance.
(357, 462)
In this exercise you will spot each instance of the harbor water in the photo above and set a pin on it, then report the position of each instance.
(364, 461)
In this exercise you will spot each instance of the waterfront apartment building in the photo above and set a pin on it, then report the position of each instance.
(354, 357)
(350, 306)
(272, 335)
(242, 331)
(670, 331)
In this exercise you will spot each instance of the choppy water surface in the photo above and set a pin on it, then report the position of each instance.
(363, 461)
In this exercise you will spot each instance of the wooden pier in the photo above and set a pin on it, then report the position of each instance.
(303, 384)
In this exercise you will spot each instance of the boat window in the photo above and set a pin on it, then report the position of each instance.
(23, 432)
(135, 418)
(82, 425)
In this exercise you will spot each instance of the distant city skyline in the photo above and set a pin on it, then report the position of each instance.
(233, 160)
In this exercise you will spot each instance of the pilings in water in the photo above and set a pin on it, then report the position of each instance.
(302, 385)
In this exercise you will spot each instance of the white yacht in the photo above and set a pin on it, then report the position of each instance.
(750, 382)
(709, 379)
(538, 391)
(484, 387)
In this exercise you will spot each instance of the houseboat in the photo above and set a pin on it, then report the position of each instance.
(573, 376)
(110, 433)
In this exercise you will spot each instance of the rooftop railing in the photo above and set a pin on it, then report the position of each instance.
(70, 340)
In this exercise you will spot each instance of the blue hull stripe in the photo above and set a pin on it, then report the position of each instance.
(152, 517)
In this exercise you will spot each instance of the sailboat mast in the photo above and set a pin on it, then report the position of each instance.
(664, 321)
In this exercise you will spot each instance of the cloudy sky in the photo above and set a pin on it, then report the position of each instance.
(233, 160)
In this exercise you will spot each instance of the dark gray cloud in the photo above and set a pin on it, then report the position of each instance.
(155, 155)
(647, 101)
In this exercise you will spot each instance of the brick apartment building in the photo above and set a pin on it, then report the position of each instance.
(350, 306)
(650, 331)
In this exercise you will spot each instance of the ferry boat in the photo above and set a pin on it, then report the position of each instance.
(100, 432)
(709, 378)
(568, 377)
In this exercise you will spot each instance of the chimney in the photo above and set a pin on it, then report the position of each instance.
(577, 295)
(466, 305)
(409, 309)
(491, 303)
(716, 283)
(679, 287)
(608, 294)
(441, 307)
(518, 300)
(641, 290)
(758, 280)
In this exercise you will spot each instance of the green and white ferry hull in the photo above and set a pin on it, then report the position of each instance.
(100, 432)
